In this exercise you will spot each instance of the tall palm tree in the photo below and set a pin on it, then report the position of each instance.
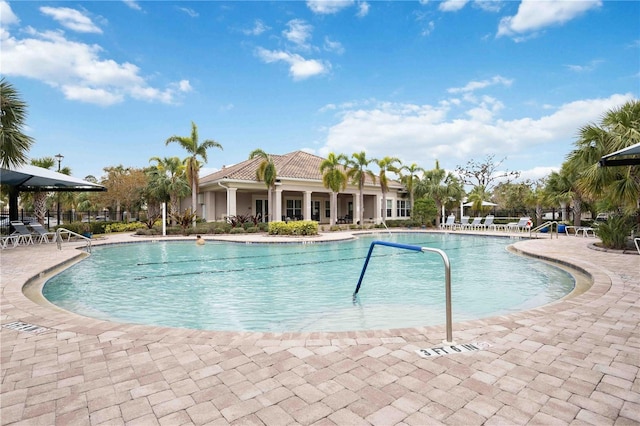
(386, 165)
(14, 144)
(168, 181)
(334, 178)
(444, 187)
(266, 172)
(196, 150)
(409, 180)
(357, 171)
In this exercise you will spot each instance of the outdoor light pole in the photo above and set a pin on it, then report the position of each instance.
(59, 157)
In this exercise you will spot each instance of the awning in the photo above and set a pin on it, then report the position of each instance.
(629, 156)
(484, 204)
(28, 178)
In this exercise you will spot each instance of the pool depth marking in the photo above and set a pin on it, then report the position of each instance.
(23, 326)
(451, 349)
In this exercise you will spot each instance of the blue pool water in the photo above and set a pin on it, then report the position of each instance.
(304, 287)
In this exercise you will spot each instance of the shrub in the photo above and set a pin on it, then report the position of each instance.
(615, 231)
(252, 229)
(301, 227)
(123, 227)
(237, 231)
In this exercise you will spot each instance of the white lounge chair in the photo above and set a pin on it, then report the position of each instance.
(42, 234)
(21, 231)
(524, 224)
(487, 224)
(475, 223)
(450, 223)
(464, 221)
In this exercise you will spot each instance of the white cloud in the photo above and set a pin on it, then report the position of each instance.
(328, 7)
(77, 69)
(299, 67)
(192, 13)
(7, 17)
(333, 46)
(452, 5)
(298, 32)
(534, 15)
(476, 85)
(457, 133)
(363, 9)
(585, 68)
(71, 19)
(259, 27)
(132, 4)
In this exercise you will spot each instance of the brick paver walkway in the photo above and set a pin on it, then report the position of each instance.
(572, 362)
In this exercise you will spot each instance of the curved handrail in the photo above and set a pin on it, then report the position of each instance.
(59, 232)
(550, 223)
(447, 277)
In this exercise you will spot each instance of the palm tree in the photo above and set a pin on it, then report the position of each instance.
(357, 172)
(14, 144)
(266, 172)
(334, 178)
(410, 179)
(442, 186)
(39, 197)
(168, 181)
(386, 164)
(13, 113)
(477, 195)
(195, 150)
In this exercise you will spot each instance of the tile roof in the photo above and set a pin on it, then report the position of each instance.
(295, 165)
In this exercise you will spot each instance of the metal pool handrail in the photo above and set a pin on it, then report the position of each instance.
(551, 224)
(447, 277)
(59, 232)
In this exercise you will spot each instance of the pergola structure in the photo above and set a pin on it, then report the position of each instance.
(28, 178)
(629, 156)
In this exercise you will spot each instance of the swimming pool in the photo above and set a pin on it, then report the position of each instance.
(304, 287)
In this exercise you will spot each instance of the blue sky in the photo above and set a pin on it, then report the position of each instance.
(108, 82)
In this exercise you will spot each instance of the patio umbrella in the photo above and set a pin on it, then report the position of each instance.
(484, 204)
(629, 156)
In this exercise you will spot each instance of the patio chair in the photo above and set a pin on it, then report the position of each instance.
(450, 223)
(522, 225)
(41, 233)
(21, 231)
(7, 240)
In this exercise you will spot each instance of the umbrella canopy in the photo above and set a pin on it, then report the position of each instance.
(484, 204)
(32, 178)
(629, 156)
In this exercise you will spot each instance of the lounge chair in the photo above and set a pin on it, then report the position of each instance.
(487, 224)
(7, 240)
(464, 221)
(42, 234)
(450, 223)
(522, 225)
(477, 221)
(21, 231)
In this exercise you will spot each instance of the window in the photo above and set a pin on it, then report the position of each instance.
(389, 208)
(403, 208)
(294, 209)
(327, 209)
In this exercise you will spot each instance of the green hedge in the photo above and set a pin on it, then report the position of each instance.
(300, 227)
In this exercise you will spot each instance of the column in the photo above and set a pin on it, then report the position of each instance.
(231, 201)
(277, 208)
(306, 205)
(356, 208)
(377, 214)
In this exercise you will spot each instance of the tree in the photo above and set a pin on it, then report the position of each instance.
(125, 189)
(485, 174)
(39, 197)
(13, 113)
(385, 164)
(442, 186)
(334, 178)
(196, 150)
(357, 171)
(168, 181)
(14, 144)
(409, 180)
(477, 196)
(266, 172)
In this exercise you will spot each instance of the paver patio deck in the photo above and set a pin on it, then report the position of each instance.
(575, 361)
